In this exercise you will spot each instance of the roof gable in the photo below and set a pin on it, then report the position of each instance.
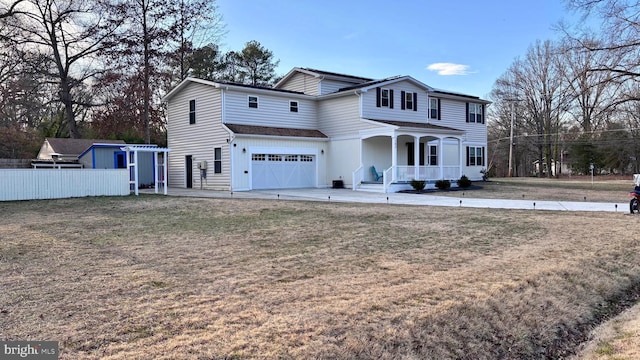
(322, 74)
(224, 84)
(388, 81)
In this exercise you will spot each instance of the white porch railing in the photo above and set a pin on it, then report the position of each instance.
(357, 178)
(387, 179)
(408, 173)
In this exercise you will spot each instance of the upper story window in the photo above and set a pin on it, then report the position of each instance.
(384, 98)
(293, 106)
(217, 160)
(253, 102)
(192, 111)
(409, 101)
(434, 108)
(475, 113)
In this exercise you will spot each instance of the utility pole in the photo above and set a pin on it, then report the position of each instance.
(513, 115)
(513, 118)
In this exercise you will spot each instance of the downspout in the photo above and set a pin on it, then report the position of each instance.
(223, 120)
(356, 92)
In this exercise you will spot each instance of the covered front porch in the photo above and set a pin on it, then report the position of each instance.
(389, 161)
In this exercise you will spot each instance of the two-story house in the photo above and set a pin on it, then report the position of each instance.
(314, 127)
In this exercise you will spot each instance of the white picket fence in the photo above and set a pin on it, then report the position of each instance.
(30, 184)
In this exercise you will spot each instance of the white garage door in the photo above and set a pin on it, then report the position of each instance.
(276, 171)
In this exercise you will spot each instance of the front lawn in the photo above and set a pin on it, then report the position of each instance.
(183, 278)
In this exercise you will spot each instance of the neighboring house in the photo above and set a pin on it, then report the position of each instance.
(93, 154)
(69, 149)
(564, 167)
(314, 127)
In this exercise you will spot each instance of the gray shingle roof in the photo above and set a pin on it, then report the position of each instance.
(274, 131)
(76, 146)
(415, 125)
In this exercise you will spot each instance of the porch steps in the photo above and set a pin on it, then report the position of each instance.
(371, 187)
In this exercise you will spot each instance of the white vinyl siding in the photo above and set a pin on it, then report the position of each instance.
(199, 139)
(331, 86)
(340, 116)
(343, 158)
(303, 83)
(453, 114)
(273, 111)
(371, 111)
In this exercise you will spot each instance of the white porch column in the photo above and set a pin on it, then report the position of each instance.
(441, 157)
(166, 171)
(135, 165)
(462, 155)
(416, 157)
(155, 171)
(394, 156)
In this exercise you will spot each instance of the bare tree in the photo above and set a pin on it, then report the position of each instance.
(10, 9)
(593, 95)
(70, 34)
(535, 83)
(620, 34)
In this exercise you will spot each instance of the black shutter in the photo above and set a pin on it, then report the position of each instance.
(378, 97)
(468, 121)
(467, 153)
(410, 154)
(391, 99)
(422, 154)
(482, 116)
(415, 103)
(439, 109)
(402, 99)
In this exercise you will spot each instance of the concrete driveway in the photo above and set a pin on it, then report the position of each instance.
(346, 195)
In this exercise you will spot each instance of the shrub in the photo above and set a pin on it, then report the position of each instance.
(443, 184)
(418, 185)
(464, 182)
(485, 174)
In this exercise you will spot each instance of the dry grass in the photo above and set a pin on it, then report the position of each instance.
(177, 278)
(617, 339)
(552, 189)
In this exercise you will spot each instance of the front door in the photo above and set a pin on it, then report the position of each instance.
(189, 170)
(119, 160)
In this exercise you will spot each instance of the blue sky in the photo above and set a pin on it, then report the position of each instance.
(378, 39)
